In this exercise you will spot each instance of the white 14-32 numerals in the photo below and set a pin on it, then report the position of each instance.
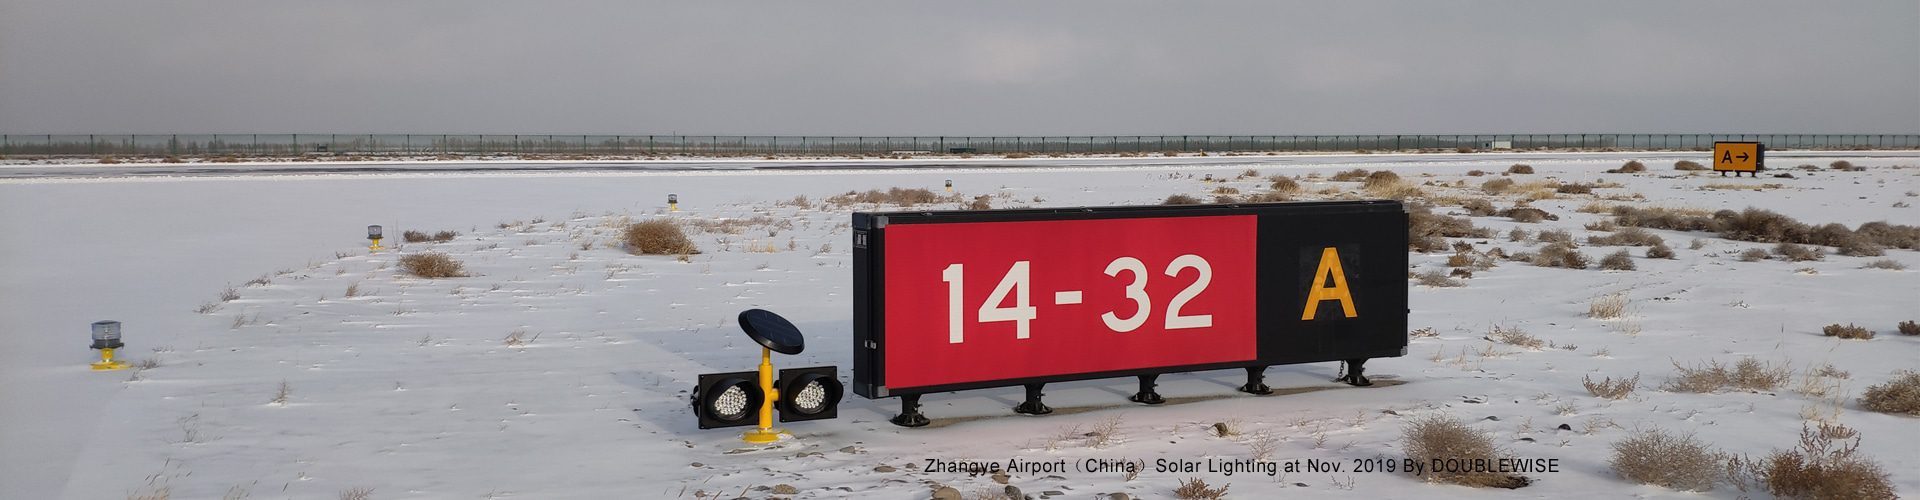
(1018, 283)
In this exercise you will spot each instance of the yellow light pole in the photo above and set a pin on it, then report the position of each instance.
(766, 433)
(106, 338)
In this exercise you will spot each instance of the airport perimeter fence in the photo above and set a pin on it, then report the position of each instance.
(304, 144)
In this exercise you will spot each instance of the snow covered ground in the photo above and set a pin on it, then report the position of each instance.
(560, 368)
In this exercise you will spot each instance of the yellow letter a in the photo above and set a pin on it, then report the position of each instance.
(1329, 262)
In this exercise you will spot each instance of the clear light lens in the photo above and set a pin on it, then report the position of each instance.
(731, 404)
(812, 398)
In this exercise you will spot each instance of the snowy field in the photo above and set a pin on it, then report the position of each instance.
(560, 368)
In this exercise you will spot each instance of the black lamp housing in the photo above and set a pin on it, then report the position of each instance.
(373, 232)
(708, 392)
(794, 380)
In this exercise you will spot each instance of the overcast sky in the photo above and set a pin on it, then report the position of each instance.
(958, 68)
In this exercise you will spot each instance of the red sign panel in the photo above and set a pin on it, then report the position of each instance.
(971, 302)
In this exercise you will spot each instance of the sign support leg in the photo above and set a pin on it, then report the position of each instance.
(1356, 373)
(1256, 381)
(1146, 394)
(1033, 406)
(910, 412)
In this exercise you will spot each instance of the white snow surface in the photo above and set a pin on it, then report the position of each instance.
(410, 388)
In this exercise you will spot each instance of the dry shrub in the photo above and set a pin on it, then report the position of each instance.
(432, 265)
(1476, 173)
(1358, 174)
(1659, 251)
(1497, 186)
(1840, 165)
(1605, 226)
(1689, 165)
(1753, 255)
(1665, 218)
(1609, 388)
(1196, 489)
(657, 237)
(1827, 465)
(1520, 168)
(1666, 460)
(1181, 199)
(420, 237)
(1226, 190)
(1380, 178)
(1269, 197)
(1632, 166)
(1518, 235)
(1608, 306)
(1617, 261)
(1446, 438)
(1437, 279)
(1426, 230)
(1560, 255)
(1478, 207)
(1394, 189)
(1528, 214)
(1891, 236)
(1748, 374)
(1900, 395)
(892, 196)
(1556, 236)
(1631, 236)
(1798, 253)
(1514, 336)
(1459, 272)
(1850, 331)
(1888, 264)
(1574, 189)
(982, 202)
(1462, 259)
(1754, 224)
(1283, 184)
(1908, 327)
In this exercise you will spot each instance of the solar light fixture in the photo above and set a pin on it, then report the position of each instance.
(673, 202)
(106, 338)
(373, 233)
(737, 398)
(949, 185)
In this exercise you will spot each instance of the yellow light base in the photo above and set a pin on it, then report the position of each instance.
(375, 247)
(757, 436)
(107, 363)
(673, 207)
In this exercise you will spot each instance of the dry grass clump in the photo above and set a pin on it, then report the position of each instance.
(1753, 255)
(1900, 395)
(1688, 165)
(1632, 166)
(1609, 306)
(1604, 226)
(1528, 214)
(1798, 253)
(657, 237)
(1437, 279)
(1181, 199)
(432, 265)
(1840, 165)
(1908, 327)
(1827, 465)
(1574, 189)
(1559, 255)
(1196, 489)
(1514, 336)
(982, 202)
(1520, 168)
(1358, 174)
(1666, 460)
(420, 237)
(892, 196)
(1556, 236)
(1631, 236)
(1675, 219)
(1391, 186)
(1380, 178)
(1659, 251)
(1850, 331)
(1446, 438)
(1497, 186)
(1284, 184)
(1617, 261)
(1609, 388)
(1478, 207)
(1426, 231)
(1748, 374)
